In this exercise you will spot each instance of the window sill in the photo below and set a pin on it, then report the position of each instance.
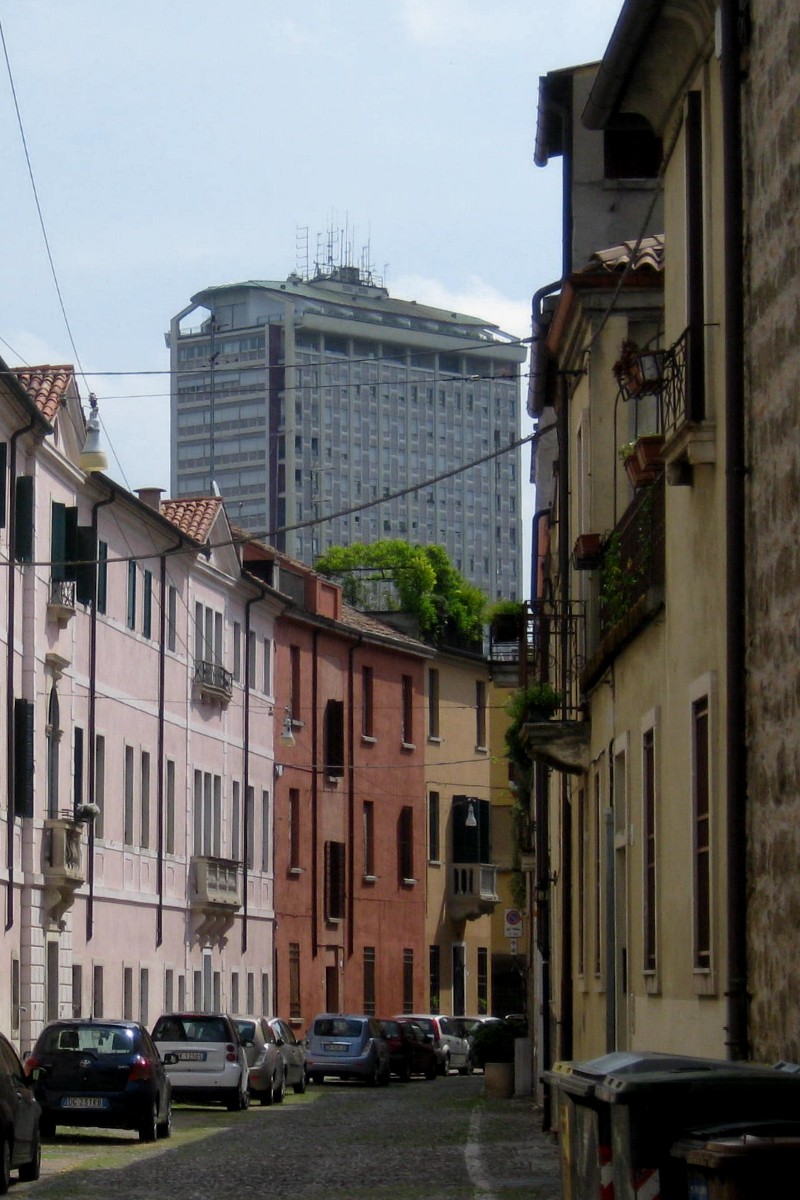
(369, 878)
(409, 883)
(296, 1022)
(296, 870)
(408, 745)
(704, 982)
(434, 862)
(481, 749)
(368, 739)
(434, 739)
(652, 983)
(334, 920)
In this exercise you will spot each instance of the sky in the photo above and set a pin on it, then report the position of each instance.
(178, 145)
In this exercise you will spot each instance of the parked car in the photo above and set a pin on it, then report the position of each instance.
(452, 1050)
(100, 1073)
(468, 1026)
(20, 1148)
(207, 1060)
(347, 1047)
(411, 1050)
(292, 1052)
(265, 1065)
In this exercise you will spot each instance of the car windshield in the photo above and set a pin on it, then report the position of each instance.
(191, 1029)
(247, 1030)
(390, 1028)
(337, 1027)
(425, 1023)
(100, 1039)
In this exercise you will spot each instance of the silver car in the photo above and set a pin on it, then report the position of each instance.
(452, 1050)
(292, 1052)
(266, 1066)
(347, 1046)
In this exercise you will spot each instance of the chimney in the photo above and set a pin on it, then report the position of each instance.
(151, 496)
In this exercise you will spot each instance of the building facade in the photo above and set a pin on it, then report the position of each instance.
(321, 408)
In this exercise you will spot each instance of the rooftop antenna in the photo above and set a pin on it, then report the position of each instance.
(301, 250)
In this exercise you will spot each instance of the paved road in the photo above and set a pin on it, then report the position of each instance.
(437, 1140)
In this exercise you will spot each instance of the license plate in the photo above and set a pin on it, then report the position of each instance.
(192, 1055)
(335, 1047)
(83, 1102)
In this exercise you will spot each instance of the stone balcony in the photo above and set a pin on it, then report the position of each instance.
(215, 893)
(62, 865)
(212, 682)
(473, 891)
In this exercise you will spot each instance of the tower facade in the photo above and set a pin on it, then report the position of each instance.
(321, 408)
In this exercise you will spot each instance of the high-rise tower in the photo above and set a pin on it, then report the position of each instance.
(314, 397)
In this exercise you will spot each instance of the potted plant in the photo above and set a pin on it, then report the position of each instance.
(493, 1049)
(642, 458)
(505, 620)
(627, 369)
(588, 551)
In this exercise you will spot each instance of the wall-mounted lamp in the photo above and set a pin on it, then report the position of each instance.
(287, 736)
(471, 820)
(278, 770)
(93, 457)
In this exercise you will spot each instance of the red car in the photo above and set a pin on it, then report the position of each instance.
(410, 1048)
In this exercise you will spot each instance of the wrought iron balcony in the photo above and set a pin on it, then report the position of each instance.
(212, 681)
(473, 890)
(61, 604)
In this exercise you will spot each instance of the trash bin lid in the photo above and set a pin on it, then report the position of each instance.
(582, 1078)
(721, 1090)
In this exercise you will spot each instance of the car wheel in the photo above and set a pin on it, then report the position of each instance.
(315, 1077)
(444, 1068)
(148, 1126)
(301, 1084)
(268, 1095)
(405, 1071)
(279, 1091)
(165, 1126)
(467, 1068)
(47, 1125)
(32, 1170)
(374, 1077)
(431, 1071)
(5, 1167)
(384, 1078)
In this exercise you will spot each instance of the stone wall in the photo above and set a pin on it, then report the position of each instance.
(771, 128)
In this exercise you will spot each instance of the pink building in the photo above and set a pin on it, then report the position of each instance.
(136, 818)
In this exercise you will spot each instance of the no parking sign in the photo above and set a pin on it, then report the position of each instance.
(513, 923)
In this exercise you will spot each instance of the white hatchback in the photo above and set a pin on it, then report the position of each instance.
(452, 1050)
(211, 1066)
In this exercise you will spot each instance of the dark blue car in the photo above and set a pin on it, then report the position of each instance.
(100, 1073)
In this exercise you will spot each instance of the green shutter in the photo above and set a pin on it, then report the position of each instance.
(23, 519)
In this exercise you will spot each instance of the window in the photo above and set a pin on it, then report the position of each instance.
(407, 733)
(131, 611)
(435, 972)
(97, 991)
(251, 659)
(53, 735)
(102, 577)
(249, 816)
(367, 702)
(77, 768)
(702, 835)
(23, 519)
(15, 995)
(369, 981)
(294, 829)
(483, 979)
(581, 882)
(127, 798)
(265, 863)
(169, 809)
(433, 827)
(294, 683)
(236, 821)
(172, 618)
(405, 845)
(369, 839)
(649, 835)
(144, 789)
(3, 471)
(237, 651)
(598, 878)
(408, 981)
(169, 990)
(433, 703)
(147, 604)
(630, 148)
(234, 992)
(334, 880)
(99, 783)
(295, 1011)
(333, 749)
(480, 714)
(144, 996)
(266, 656)
(127, 993)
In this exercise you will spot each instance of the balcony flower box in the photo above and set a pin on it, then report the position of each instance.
(642, 459)
(587, 554)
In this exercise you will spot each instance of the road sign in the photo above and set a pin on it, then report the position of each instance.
(513, 923)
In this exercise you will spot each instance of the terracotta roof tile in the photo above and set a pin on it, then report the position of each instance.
(650, 254)
(194, 517)
(46, 386)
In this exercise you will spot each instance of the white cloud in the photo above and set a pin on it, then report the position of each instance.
(475, 298)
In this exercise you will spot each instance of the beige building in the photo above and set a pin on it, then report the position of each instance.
(639, 861)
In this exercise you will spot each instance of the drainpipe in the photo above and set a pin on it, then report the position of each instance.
(11, 628)
(92, 720)
(735, 545)
(162, 666)
(565, 881)
(351, 794)
(314, 797)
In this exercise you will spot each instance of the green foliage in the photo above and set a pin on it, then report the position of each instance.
(503, 608)
(425, 582)
(493, 1041)
(518, 888)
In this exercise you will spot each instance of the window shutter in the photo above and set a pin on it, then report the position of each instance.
(23, 519)
(86, 566)
(23, 758)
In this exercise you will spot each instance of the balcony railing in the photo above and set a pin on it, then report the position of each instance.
(213, 681)
(216, 884)
(473, 890)
(61, 604)
(633, 558)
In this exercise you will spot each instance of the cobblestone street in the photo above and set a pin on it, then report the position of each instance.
(420, 1141)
